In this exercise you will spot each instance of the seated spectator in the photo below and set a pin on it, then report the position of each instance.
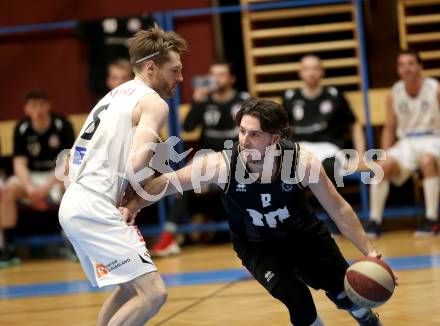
(215, 104)
(118, 72)
(322, 120)
(321, 117)
(413, 117)
(38, 140)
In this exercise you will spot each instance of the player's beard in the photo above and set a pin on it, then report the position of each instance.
(172, 90)
(167, 90)
(164, 88)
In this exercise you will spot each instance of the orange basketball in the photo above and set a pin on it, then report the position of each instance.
(369, 282)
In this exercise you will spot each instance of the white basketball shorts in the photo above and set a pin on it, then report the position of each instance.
(324, 150)
(110, 251)
(407, 153)
(38, 179)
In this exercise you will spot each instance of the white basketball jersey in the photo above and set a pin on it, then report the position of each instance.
(100, 153)
(417, 116)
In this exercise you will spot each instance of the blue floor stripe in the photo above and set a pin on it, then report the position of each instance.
(181, 279)
(414, 262)
(43, 289)
(217, 276)
(193, 278)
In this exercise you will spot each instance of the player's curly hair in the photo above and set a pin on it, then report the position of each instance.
(154, 44)
(273, 118)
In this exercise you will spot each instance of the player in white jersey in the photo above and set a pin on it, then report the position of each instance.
(110, 148)
(413, 117)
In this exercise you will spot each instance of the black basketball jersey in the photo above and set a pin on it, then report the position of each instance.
(217, 120)
(274, 210)
(42, 150)
(325, 118)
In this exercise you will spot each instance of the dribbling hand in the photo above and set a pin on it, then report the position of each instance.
(375, 254)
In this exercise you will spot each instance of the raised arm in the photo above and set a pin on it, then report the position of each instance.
(338, 209)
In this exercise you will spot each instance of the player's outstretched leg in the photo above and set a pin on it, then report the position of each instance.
(134, 302)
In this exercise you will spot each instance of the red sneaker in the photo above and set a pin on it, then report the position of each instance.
(166, 246)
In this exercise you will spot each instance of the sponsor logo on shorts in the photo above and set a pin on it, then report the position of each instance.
(102, 269)
(269, 275)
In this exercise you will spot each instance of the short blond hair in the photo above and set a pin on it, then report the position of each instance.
(154, 42)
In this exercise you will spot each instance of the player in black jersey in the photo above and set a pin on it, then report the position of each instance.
(214, 107)
(322, 121)
(321, 117)
(274, 231)
(38, 140)
(215, 104)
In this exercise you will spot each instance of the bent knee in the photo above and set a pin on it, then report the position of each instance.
(153, 298)
(160, 292)
(389, 167)
(161, 297)
(12, 191)
(151, 287)
(428, 160)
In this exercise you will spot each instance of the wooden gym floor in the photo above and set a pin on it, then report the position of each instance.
(207, 286)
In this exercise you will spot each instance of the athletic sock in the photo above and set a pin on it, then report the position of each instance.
(431, 189)
(378, 196)
(318, 321)
(359, 313)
